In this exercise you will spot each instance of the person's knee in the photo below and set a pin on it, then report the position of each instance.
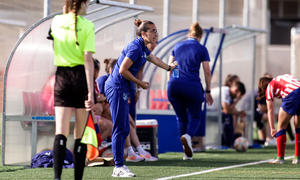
(102, 126)
(297, 122)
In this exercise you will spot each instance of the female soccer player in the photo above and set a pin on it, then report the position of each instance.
(186, 93)
(285, 87)
(73, 43)
(117, 87)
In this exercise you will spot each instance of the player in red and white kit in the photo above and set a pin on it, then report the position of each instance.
(287, 88)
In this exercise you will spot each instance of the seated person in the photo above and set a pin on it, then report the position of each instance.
(102, 126)
(230, 97)
(215, 92)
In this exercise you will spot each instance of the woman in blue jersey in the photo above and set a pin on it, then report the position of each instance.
(117, 87)
(186, 93)
(73, 43)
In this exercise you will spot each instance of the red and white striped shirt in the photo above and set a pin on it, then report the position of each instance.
(281, 86)
(96, 87)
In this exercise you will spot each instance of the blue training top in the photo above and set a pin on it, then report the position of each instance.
(137, 52)
(189, 54)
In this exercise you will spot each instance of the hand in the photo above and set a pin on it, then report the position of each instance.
(239, 96)
(144, 85)
(273, 132)
(100, 97)
(209, 99)
(97, 108)
(89, 102)
(242, 114)
(172, 66)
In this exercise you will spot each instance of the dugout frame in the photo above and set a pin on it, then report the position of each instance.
(29, 66)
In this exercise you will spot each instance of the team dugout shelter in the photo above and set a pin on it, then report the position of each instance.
(28, 119)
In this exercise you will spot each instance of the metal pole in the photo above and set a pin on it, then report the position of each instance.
(252, 92)
(132, 1)
(47, 7)
(195, 10)
(166, 18)
(246, 13)
(166, 25)
(33, 138)
(135, 17)
(221, 25)
(222, 6)
(220, 102)
(264, 37)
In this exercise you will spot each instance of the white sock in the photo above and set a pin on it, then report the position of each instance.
(130, 151)
(141, 150)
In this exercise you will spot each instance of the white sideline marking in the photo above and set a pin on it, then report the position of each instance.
(218, 169)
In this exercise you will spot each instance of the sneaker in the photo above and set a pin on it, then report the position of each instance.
(122, 172)
(277, 161)
(135, 158)
(148, 157)
(296, 161)
(187, 145)
(187, 158)
(271, 142)
(292, 142)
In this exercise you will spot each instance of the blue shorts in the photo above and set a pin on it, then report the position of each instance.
(291, 103)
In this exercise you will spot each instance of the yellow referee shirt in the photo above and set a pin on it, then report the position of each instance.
(66, 52)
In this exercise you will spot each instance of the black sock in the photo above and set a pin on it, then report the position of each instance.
(59, 153)
(79, 155)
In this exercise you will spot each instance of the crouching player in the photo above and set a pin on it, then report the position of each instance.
(285, 87)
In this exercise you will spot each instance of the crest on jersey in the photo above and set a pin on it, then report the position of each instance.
(125, 96)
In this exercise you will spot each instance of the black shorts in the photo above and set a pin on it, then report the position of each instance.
(258, 119)
(70, 87)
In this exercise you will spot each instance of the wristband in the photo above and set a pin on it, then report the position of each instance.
(207, 91)
(169, 68)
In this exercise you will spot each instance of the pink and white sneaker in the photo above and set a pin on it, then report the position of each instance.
(148, 157)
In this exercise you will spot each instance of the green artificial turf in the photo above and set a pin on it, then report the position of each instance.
(171, 164)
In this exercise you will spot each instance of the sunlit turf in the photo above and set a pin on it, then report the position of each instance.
(171, 164)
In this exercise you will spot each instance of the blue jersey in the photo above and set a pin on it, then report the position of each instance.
(101, 82)
(137, 52)
(189, 54)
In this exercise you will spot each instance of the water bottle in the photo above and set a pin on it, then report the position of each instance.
(175, 71)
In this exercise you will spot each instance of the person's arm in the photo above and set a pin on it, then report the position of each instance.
(127, 62)
(230, 108)
(270, 107)
(158, 62)
(171, 60)
(89, 71)
(207, 74)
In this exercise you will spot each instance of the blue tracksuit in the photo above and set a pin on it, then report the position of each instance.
(132, 107)
(117, 90)
(186, 92)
